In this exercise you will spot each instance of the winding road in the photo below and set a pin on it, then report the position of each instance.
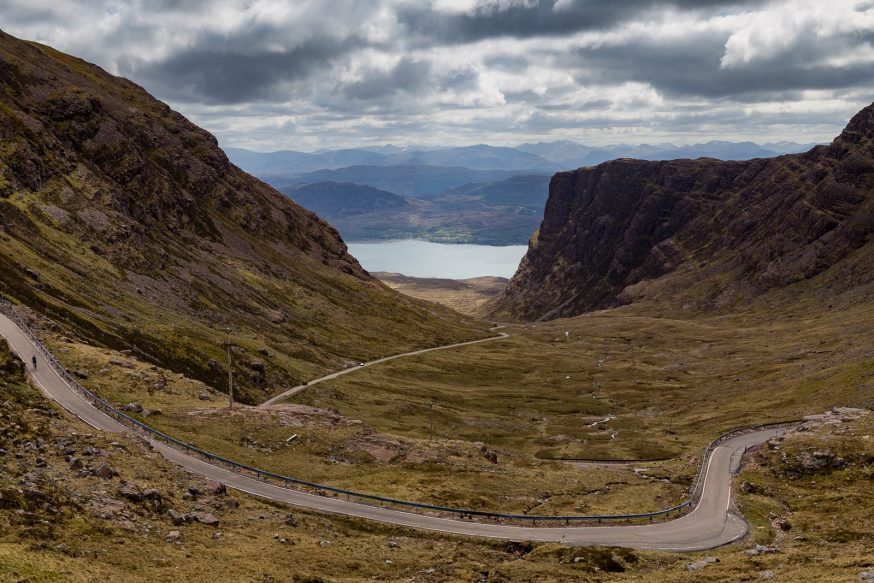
(712, 523)
(295, 390)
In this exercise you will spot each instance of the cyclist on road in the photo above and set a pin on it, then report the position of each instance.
(33, 360)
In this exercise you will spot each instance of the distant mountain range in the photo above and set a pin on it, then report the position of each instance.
(415, 180)
(472, 194)
(542, 157)
(499, 212)
(333, 200)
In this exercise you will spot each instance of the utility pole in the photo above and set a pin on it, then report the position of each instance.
(230, 369)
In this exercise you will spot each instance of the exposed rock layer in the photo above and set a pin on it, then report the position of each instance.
(757, 224)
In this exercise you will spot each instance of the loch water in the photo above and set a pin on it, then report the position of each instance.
(426, 259)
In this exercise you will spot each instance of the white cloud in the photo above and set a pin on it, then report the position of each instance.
(779, 29)
(273, 74)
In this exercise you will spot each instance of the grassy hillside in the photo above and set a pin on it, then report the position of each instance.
(649, 382)
(126, 224)
(61, 520)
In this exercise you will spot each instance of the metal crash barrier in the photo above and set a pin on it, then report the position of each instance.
(145, 431)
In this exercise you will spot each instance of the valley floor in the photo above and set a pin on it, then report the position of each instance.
(647, 383)
(462, 295)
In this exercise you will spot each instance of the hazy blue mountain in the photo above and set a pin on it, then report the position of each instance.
(542, 157)
(354, 157)
(527, 190)
(331, 200)
(408, 180)
(503, 212)
(277, 163)
(563, 152)
(480, 194)
(785, 147)
(481, 157)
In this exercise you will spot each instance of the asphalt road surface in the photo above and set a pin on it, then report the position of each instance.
(712, 523)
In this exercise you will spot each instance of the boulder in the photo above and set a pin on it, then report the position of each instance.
(130, 492)
(154, 498)
(488, 454)
(133, 407)
(762, 549)
(175, 517)
(748, 487)
(697, 565)
(151, 494)
(203, 518)
(107, 507)
(816, 460)
(276, 317)
(173, 536)
(105, 471)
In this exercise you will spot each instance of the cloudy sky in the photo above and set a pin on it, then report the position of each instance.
(309, 74)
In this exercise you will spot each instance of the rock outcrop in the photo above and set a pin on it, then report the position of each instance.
(749, 226)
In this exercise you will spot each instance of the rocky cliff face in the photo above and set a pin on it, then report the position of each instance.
(751, 226)
(127, 223)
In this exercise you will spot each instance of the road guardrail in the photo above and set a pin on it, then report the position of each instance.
(146, 431)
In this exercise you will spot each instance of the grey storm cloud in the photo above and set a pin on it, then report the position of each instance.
(691, 66)
(345, 72)
(214, 71)
(408, 75)
(539, 18)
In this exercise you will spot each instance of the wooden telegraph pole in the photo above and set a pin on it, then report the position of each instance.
(230, 370)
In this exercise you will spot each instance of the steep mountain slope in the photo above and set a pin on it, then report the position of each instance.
(128, 225)
(725, 231)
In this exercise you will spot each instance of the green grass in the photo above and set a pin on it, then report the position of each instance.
(828, 510)
(347, 453)
(70, 542)
(669, 384)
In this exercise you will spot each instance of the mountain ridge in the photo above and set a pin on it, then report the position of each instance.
(524, 158)
(128, 226)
